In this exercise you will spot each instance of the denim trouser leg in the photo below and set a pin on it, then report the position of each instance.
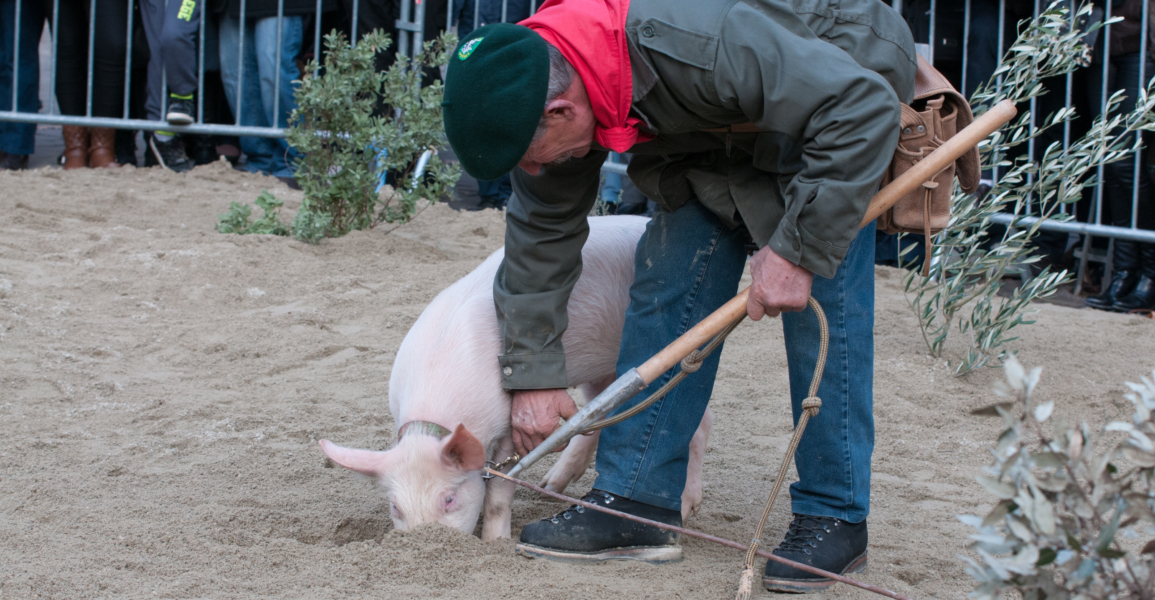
(687, 265)
(19, 138)
(833, 459)
(258, 151)
(265, 32)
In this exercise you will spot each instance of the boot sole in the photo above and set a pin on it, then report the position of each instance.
(808, 586)
(654, 555)
(176, 118)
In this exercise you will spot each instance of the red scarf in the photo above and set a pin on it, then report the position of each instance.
(591, 35)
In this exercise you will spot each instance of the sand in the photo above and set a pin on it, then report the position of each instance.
(162, 387)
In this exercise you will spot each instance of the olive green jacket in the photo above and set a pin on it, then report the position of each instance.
(821, 80)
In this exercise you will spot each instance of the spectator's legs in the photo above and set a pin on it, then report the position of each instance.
(1119, 178)
(19, 138)
(71, 32)
(179, 40)
(258, 151)
(266, 44)
(108, 58)
(152, 21)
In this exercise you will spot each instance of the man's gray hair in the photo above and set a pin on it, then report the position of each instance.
(561, 75)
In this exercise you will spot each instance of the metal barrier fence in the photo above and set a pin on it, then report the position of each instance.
(935, 23)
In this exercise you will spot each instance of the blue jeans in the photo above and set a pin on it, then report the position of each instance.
(271, 156)
(687, 265)
(20, 138)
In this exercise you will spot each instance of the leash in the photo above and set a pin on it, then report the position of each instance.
(703, 536)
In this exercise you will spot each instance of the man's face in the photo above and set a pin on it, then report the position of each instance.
(570, 125)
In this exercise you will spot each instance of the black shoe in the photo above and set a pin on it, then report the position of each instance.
(13, 162)
(170, 154)
(181, 111)
(823, 542)
(1142, 296)
(1122, 282)
(584, 535)
(200, 149)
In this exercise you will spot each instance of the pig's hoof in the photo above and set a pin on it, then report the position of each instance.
(559, 477)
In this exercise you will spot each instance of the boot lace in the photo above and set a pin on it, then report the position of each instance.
(594, 497)
(806, 532)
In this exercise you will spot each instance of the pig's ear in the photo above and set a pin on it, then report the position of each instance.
(366, 462)
(463, 451)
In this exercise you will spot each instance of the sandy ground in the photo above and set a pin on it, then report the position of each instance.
(162, 387)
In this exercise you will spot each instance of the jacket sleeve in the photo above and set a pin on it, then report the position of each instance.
(546, 228)
(844, 117)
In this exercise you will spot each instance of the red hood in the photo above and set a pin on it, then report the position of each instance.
(591, 35)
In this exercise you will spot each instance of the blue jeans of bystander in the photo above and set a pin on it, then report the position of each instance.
(19, 138)
(687, 265)
(263, 155)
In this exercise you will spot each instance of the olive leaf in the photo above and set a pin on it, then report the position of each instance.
(1064, 505)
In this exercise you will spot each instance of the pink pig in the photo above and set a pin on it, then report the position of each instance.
(446, 379)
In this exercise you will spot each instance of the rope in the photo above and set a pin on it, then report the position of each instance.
(810, 408)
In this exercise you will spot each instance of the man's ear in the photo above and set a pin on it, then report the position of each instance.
(560, 108)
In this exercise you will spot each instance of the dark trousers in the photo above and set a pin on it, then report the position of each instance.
(1119, 177)
(19, 138)
(172, 43)
(111, 22)
(383, 14)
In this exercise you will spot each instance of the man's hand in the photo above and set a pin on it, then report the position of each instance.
(535, 415)
(779, 285)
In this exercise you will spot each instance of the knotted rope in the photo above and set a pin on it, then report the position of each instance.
(810, 408)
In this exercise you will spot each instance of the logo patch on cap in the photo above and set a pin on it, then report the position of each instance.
(468, 48)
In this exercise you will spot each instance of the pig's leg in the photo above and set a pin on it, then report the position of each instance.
(572, 463)
(498, 499)
(692, 493)
(576, 457)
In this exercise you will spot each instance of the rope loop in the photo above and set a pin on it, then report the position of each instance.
(811, 405)
(693, 362)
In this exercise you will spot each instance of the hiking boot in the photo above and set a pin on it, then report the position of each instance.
(170, 154)
(579, 534)
(181, 111)
(822, 542)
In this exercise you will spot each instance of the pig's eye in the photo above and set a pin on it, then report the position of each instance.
(450, 502)
(396, 512)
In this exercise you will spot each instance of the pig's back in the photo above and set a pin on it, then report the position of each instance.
(449, 356)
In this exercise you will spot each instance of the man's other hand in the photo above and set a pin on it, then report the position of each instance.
(535, 415)
(779, 285)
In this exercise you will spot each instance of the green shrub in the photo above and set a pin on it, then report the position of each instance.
(345, 150)
(1068, 498)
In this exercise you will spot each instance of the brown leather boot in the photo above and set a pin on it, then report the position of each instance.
(102, 151)
(75, 147)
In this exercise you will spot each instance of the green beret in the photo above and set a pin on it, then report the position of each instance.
(495, 90)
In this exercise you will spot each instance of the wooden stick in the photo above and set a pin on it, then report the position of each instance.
(949, 152)
(944, 155)
(704, 536)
